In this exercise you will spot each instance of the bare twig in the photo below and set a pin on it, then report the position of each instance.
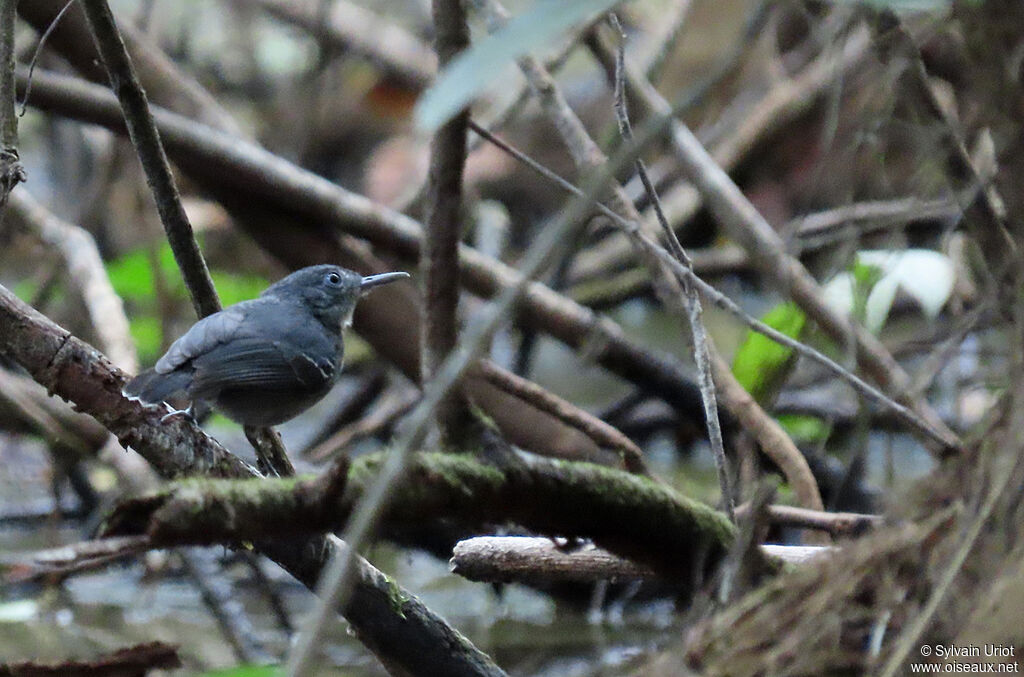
(377, 419)
(862, 218)
(146, 138)
(835, 523)
(439, 256)
(526, 559)
(11, 171)
(702, 345)
(39, 50)
(84, 266)
(605, 435)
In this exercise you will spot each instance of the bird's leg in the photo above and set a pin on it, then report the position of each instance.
(272, 458)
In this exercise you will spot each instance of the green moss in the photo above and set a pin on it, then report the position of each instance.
(396, 596)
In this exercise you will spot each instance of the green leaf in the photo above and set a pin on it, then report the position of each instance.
(25, 290)
(148, 336)
(480, 65)
(247, 671)
(132, 276)
(133, 279)
(805, 428)
(761, 365)
(234, 287)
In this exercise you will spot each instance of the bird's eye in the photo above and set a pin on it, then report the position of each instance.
(333, 278)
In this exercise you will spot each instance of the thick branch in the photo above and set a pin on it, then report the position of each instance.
(631, 516)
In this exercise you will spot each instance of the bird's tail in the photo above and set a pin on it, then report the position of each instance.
(151, 387)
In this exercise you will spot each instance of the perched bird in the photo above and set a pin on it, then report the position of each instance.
(264, 361)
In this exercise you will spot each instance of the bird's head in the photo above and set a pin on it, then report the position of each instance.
(330, 292)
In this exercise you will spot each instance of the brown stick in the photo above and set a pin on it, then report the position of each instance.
(146, 139)
(11, 171)
(439, 256)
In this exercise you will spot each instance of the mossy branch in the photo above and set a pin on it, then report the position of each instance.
(626, 514)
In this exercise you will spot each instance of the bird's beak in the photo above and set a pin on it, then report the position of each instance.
(372, 281)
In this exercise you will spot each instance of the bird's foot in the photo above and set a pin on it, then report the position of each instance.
(188, 413)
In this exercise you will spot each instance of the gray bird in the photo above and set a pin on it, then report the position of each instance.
(264, 361)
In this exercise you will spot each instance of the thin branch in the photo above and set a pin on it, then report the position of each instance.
(439, 256)
(39, 50)
(388, 409)
(84, 267)
(702, 345)
(838, 524)
(11, 171)
(605, 435)
(146, 139)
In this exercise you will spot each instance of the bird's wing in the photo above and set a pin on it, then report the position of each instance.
(204, 336)
(252, 362)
